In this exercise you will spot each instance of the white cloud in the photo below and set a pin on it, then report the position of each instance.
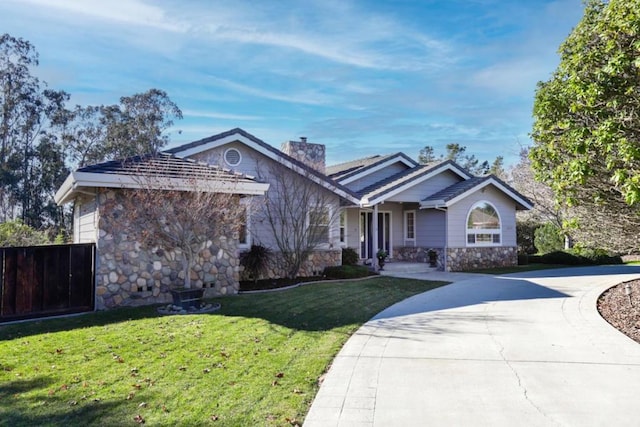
(309, 96)
(130, 12)
(215, 115)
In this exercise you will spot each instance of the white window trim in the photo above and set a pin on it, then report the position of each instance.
(406, 226)
(476, 231)
(247, 209)
(329, 243)
(343, 214)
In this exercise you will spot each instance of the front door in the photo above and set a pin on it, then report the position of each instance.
(366, 233)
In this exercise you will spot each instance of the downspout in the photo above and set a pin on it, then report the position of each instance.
(374, 244)
(446, 236)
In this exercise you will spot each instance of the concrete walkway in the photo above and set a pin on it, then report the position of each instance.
(527, 349)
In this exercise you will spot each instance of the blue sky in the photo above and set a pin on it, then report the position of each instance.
(361, 77)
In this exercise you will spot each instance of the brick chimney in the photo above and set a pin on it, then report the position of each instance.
(312, 155)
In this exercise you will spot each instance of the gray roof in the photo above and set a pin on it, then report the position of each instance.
(462, 187)
(395, 181)
(268, 147)
(347, 169)
(456, 189)
(164, 165)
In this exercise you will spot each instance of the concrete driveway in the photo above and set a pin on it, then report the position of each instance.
(519, 350)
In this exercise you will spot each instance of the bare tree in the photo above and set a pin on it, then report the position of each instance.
(300, 214)
(545, 206)
(179, 206)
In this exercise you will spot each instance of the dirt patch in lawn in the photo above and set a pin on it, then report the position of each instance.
(622, 311)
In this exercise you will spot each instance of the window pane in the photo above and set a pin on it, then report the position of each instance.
(484, 238)
(410, 216)
(471, 238)
(484, 216)
(242, 232)
(319, 226)
(496, 238)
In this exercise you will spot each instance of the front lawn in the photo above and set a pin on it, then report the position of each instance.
(255, 362)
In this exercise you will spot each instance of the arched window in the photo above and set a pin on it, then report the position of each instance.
(483, 225)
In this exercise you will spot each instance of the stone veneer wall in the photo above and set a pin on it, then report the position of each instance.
(313, 266)
(129, 275)
(461, 259)
(312, 155)
(417, 254)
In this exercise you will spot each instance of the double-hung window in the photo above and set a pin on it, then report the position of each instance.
(319, 225)
(410, 225)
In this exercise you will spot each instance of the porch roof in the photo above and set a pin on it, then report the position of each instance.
(161, 171)
(382, 190)
(273, 153)
(349, 171)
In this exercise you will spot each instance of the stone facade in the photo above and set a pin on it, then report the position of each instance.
(313, 266)
(418, 254)
(129, 275)
(461, 259)
(312, 155)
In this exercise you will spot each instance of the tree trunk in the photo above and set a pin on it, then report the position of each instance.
(186, 268)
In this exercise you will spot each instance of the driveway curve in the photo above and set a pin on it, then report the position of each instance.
(522, 349)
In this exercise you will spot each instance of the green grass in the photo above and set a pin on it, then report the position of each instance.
(256, 362)
(516, 269)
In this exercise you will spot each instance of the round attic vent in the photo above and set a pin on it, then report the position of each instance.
(232, 157)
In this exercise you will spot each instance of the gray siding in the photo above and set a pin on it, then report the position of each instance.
(256, 164)
(376, 176)
(459, 211)
(85, 221)
(430, 228)
(426, 188)
(353, 228)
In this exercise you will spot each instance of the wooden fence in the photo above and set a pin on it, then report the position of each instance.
(39, 281)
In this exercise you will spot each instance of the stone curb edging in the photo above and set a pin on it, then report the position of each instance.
(262, 291)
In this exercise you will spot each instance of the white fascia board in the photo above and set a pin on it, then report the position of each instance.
(413, 182)
(77, 180)
(318, 181)
(268, 153)
(498, 185)
(63, 195)
(214, 144)
(433, 204)
(376, 168)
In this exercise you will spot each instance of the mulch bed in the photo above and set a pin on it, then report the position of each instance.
(614, 306)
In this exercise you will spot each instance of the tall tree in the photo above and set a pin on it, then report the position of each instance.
(586, 128)
(427, 155)
(457, 153)
(27, 111)
(139, 124)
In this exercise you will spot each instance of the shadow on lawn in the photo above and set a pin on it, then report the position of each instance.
(315, 307)
(18, 410)
(10, 331)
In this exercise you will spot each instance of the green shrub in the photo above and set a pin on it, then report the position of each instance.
(17, 233)
(562, 257)
(523, 259)
(255, 261)
(597, 256)
(548, 238)
(349, 256)
(525, 234)
(347, 272)
(580, 257)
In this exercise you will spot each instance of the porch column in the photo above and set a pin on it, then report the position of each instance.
(374, 246)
